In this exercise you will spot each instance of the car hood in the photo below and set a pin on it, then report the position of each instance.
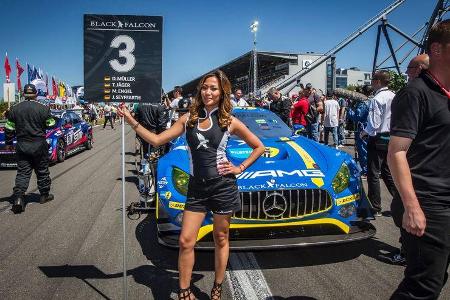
(287, 163)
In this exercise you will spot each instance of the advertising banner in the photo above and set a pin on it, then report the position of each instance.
(122, 58)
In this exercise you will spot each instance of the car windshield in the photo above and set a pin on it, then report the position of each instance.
(263, 124)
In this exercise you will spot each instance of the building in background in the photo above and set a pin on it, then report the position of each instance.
(352, 76)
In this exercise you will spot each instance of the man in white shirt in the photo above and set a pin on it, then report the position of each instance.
(331, 119)
(239, 99)
(178, 94)
(377, 130)
(108, 116)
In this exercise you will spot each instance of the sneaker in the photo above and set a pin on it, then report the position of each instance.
(393, 258)
(398, 259)
(377, 214)
(340, 146)
(46, 198)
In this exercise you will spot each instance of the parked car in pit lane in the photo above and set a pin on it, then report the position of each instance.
(298, 193)
(69, 135)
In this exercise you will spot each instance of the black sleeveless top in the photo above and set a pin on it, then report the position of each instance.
(206, 147)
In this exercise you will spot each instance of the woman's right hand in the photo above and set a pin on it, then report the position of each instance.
(123, 111)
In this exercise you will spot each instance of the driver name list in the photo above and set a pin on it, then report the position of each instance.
(119, 88)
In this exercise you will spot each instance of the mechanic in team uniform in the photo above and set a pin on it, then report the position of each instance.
(212, 185)
(28, 121)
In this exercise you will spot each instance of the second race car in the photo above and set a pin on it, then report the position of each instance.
(70, 135)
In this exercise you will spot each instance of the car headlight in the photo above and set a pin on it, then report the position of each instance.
(342, 179)
(180, 180)
(49, 141)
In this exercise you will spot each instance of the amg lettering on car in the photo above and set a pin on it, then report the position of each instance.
(274, 186)
(281, 173)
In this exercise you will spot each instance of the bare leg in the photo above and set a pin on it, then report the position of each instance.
(222, 245)
(188, 237)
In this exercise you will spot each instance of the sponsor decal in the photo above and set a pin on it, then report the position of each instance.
(241, 152)
(168, 195)
(281, 173)
(162, 182)
(180, 148)
(7, 151)
(123, 25)
(275, 186)
(271, 152)
(347, 199)
(260, 121)
(176, 205)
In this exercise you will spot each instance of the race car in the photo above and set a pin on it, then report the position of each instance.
(298, 193)
(69, 135)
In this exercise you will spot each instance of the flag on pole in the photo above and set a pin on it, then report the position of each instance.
(19, 73)
(54, 87)
(30, 73)
(35, 74)
(62, 89)
(7, 68)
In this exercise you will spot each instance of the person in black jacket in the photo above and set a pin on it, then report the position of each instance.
(153, 117)
(27, 121)
(280, 105)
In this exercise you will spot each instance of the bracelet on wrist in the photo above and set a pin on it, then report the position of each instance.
(242, 167)
(135, 125)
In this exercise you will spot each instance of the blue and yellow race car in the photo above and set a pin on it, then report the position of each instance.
(69, 135)
(298, 193)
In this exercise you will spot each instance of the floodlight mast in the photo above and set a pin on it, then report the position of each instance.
(254, 29)
(293, 79)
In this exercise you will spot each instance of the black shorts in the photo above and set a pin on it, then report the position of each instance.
(219, 195)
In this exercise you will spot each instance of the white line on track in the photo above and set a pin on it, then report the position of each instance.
(245, 279)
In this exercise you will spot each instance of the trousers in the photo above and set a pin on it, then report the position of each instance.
(376, 164)
(428, 258)
(32, 156)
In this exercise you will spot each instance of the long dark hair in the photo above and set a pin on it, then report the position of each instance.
(225, 106)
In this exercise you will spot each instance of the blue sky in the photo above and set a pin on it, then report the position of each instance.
(199, 35)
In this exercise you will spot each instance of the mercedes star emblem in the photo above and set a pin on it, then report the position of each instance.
(274, 205)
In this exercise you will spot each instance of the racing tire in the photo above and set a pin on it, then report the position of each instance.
(88, 143)
(60, 151)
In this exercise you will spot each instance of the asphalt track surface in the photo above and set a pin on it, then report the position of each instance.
(71, 248)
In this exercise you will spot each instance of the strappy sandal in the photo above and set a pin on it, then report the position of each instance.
(185, 294)
(216, 292)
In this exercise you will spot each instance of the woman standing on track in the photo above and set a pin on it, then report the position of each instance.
(212, 185)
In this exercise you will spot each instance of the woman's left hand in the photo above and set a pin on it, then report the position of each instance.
(227, 167)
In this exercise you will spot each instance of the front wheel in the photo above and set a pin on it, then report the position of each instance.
(61, 151)
(88, 143)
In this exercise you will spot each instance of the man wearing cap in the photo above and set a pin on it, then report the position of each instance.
(27, 121)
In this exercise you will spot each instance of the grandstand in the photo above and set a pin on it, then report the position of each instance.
(273, 67)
